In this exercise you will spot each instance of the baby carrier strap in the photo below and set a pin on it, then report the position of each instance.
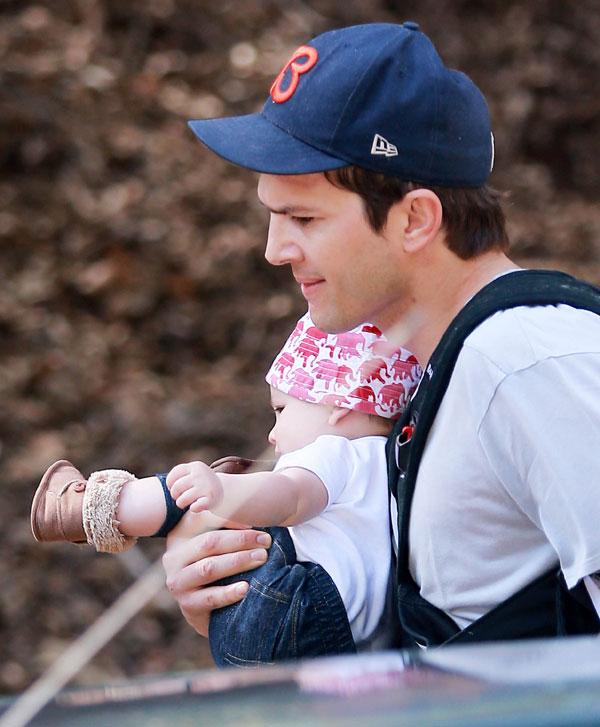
(544, 607)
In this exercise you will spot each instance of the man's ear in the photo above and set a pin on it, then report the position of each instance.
(337, 415)
(417, 218)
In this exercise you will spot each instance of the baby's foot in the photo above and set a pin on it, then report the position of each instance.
(57, 507)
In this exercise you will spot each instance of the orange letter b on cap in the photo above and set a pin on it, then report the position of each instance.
(307, 51)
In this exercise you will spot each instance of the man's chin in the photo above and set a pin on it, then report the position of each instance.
(330, 322)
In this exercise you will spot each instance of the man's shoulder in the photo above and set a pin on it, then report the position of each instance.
(519, 337)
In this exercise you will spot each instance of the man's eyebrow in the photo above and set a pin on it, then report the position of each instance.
(287, 210)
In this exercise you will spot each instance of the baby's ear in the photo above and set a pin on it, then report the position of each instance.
(337, 415)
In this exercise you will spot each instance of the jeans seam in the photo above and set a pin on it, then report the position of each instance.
(332, 633)
(294, 634)
(275, 544)
(238, 660)
(267, 592)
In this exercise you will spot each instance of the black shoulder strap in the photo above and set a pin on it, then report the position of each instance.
(519, 288)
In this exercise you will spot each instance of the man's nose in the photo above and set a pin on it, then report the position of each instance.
(281, 248)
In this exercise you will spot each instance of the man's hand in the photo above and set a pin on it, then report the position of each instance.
(192, 562)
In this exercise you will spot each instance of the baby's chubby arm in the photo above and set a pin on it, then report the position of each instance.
(287, 497)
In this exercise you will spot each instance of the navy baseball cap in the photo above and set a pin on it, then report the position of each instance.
(377, 96)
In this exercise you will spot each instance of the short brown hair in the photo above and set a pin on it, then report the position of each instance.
(473, 219)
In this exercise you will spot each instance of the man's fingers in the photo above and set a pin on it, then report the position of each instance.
(212, 568)
(181, 554)
(193, 563)
(196, 606)
(219, 542)
(208, 599)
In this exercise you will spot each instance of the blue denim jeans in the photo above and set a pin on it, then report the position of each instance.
(291, 610)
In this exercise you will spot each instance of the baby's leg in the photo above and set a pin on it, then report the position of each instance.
(141, 510)
(109, 510)
(112, 508)
(292, 610)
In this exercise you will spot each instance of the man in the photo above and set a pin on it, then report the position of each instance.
(374, 159)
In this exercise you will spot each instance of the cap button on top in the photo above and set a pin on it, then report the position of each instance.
(411, 25)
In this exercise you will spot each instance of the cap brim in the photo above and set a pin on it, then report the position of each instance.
(255, 143)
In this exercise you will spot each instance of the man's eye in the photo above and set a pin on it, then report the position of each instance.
(302, 221)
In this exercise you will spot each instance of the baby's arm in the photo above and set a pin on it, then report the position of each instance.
(141, 510)
(287, 497)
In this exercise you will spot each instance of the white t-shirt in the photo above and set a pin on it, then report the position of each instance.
(509, 483)
(350, 539)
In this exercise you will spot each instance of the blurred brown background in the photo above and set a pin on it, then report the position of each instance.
(137, 315)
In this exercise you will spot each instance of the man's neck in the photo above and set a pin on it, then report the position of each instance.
(437, 299)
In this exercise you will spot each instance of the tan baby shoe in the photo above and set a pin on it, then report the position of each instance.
(57, 508)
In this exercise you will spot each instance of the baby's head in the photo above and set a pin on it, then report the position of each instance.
(351, 384)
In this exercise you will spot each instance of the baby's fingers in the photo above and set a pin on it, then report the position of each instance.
(179, 471)
(200, 504)
(181, 486)
(185, 498)
(188, 496)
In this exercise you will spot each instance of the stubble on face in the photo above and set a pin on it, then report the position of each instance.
(337, 247)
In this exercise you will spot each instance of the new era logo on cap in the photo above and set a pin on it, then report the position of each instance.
(382, 147)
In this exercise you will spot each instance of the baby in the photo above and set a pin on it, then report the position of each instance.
(324, 587)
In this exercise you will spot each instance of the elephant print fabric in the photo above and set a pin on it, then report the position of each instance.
(359, 369)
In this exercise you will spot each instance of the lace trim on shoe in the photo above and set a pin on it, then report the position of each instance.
(100, 504)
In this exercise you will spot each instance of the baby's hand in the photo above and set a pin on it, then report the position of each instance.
(196, 485)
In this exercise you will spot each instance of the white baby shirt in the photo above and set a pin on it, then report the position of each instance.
(350, 539)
